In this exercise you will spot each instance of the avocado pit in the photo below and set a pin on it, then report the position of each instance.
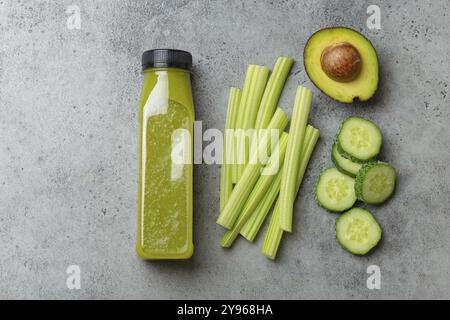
(341, 62)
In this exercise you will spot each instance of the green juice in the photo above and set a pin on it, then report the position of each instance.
(165, 182)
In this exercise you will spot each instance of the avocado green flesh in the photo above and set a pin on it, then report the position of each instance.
(363, 86)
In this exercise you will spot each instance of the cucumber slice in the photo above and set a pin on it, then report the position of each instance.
(335, 191)
(359, 139)
(348, 156)
(344, 165)
(357, 231)
(375, 182)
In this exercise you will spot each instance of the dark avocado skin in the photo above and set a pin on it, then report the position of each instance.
(304, 65)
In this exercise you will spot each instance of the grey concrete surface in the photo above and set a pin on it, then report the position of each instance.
(69, 149)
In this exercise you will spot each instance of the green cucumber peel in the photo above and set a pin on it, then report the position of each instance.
(375, 189)
(359, 140)
(350, 157)
(346, 166)
(343, 186)
(357, 231)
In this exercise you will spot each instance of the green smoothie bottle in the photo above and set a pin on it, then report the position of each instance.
(166, 116)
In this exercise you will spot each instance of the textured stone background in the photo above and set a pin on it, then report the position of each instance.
(69, 148)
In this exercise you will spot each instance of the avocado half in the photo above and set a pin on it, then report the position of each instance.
(342, 63)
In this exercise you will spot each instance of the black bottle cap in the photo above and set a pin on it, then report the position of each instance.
(166, 58)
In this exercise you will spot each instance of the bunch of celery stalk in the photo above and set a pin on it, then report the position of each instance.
(246, 193)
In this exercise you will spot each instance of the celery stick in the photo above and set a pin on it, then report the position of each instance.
(226, 185)
(273, 91)
(242, 189)
(257, 89)
(300, 115)
(240, 118)
(254, 223)
(259, 191)
(275, 232)
(250, 109)
(232, 141)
